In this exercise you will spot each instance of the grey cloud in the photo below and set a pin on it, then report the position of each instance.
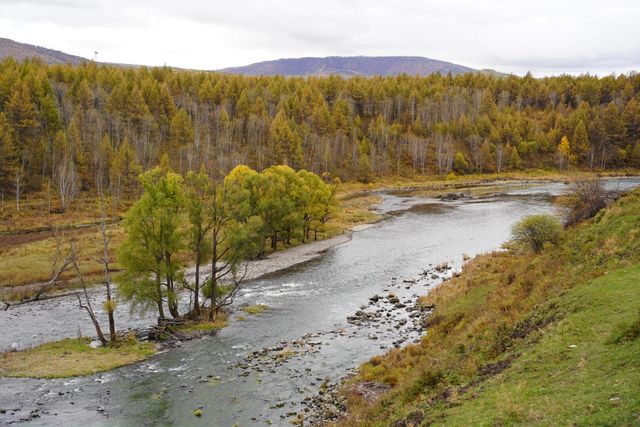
(546, 36)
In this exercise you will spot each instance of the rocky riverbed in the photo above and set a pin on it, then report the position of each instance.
(324, 318)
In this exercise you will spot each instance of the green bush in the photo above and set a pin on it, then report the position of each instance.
(626, 332)
(536, 230)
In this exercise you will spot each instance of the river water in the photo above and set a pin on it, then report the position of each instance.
(222, 375)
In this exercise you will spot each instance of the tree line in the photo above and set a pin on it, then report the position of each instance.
(67, 129)
(216, 226)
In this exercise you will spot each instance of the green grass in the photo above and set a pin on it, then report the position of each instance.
(520, 338)
(72, 358)
(205, 326)
(553, 383)
(255, 309)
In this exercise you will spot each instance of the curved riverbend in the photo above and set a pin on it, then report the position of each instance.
(231, 375)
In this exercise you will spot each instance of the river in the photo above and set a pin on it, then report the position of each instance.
(222, 375)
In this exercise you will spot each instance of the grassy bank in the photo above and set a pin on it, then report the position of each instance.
(519, 338)
(452, 181)
(26, 258)
(27, 250)
(72, 358)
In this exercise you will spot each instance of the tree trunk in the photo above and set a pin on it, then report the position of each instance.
(18, 193)
(172, 299)
(159, 300)
(196, 296)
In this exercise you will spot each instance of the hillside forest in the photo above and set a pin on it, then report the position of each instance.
(91, 128)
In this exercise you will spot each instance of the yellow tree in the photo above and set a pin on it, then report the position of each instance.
(564, 153)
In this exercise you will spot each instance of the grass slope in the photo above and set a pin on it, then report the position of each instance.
(524, 339)
(574, 375)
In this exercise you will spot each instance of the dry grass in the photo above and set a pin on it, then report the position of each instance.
(439, 183)
(26, 253)
(34, 213)
(31, 261)
(72, 358)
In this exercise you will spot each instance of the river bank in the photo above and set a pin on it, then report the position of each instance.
(307, 331)
(518, 332)
(26, 251)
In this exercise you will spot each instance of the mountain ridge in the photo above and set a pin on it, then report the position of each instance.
(21, 51)
(345, 66)
(350, 66)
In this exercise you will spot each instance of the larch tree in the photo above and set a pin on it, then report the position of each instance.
(581, 141)
(124, 172)
(182, 134)
(564, 153)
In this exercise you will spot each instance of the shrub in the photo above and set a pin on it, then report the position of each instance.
(626, 332)
(585, 201)
(460, 164)
(536, 230)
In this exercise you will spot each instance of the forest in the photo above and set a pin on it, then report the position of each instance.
(93, 128)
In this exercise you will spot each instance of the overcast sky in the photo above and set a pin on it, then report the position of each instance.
(541, 36)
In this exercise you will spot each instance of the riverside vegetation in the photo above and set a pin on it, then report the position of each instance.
(196, 220)
(545, 332)
(81, 147)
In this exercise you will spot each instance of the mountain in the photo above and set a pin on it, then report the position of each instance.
(350, 66)
(21, 51)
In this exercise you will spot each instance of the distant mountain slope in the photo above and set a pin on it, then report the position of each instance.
(21, 51)
(350, 66)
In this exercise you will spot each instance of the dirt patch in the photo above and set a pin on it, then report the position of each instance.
(538, 320)
(495, 368)
(42, 233)
(414, 419)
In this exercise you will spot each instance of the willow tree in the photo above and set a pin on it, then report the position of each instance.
(200, 196)
(318, 206)
(236, 234)
(281, 204)
(154, 236)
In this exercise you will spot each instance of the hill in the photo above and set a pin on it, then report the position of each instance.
(350, 66)
(22, 51)
(518, 338)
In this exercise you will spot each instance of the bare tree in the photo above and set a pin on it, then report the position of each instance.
(499, 157)
(59, 265)
(587, 198)
(67, 183)
(231, 293)
(85, 302)
(110, 304)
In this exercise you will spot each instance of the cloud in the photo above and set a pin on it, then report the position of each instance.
(546, 36)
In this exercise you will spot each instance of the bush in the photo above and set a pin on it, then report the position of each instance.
(585, 201)
(626, 332)
(536, 230)
(460, 164)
